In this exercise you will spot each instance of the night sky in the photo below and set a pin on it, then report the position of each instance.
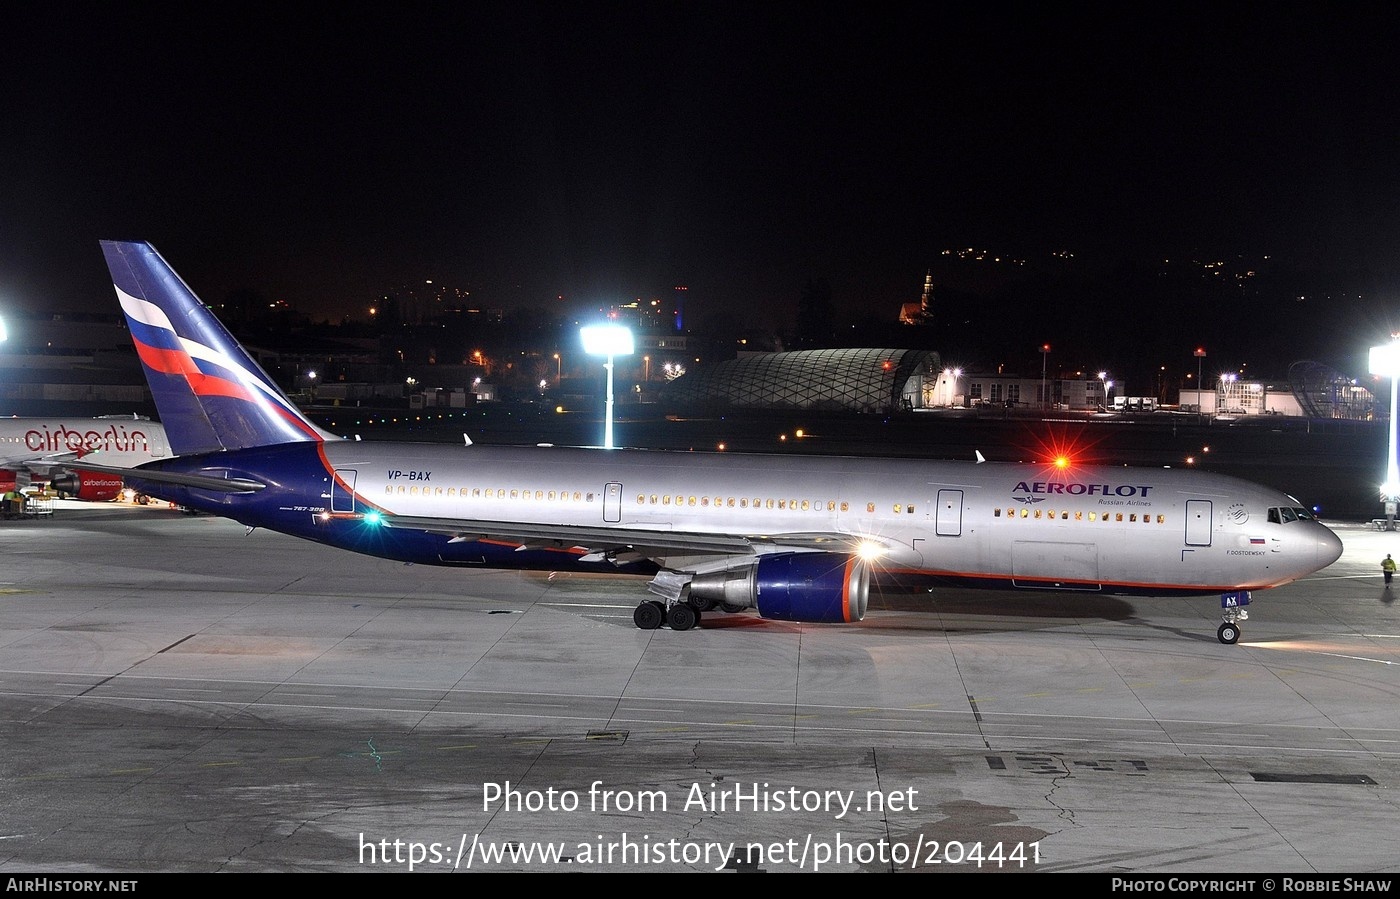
(607, 151)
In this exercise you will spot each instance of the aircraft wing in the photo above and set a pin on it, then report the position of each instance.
(646, 541)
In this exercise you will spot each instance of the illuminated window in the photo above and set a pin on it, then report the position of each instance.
(897, 507)
(782, 504)
(870, 507)
(691, 502)
(413, 491)
(1118, 516)
(652, 500)
(666, 500)
(476, 493)
(1051, 515)
(1078, 516)
(515, 494)
(719, 501)
(1025, 513)
(729, 502)
(402, 491)
(452, 491)
(743, 503)
(1161, 519)
(805, 506)
(552, 494)
(389, 489)
(1037, 513)
(640, 498)
(578, 496)
(704, 501)
(831, 506)
(1133, 518)
(768, 504)
(1093, 516)
(539, 494)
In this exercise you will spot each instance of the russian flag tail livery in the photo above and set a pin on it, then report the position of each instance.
(209, 392)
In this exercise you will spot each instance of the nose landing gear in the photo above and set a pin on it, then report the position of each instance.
(1234, 611)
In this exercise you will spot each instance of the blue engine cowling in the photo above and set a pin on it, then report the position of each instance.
(816, 587)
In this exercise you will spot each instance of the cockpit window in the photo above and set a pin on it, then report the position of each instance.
(1273, 516)
(1303, 514)
(1285, 514)
(1288, 515)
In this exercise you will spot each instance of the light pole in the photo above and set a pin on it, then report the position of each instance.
(1200, 388)
(1044, 355)
(558, 370)
(1385, 360)
(1103, 388)
(609, 341)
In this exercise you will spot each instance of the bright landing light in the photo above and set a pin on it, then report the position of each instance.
(869, 551)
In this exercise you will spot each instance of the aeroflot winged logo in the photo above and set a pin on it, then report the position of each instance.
(1075, 488)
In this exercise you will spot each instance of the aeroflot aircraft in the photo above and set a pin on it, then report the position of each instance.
(795, 538)
(31, 448)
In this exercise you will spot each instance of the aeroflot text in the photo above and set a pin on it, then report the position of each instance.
(1287, 884)
(1081, 489)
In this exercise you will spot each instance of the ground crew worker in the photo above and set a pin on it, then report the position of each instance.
(1388, 568)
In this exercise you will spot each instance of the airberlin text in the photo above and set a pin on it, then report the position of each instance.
(1077, 489)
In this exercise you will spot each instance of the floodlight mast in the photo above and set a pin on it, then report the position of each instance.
(1385, 360)
(608, 341)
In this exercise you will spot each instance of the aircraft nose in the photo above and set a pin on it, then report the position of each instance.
(1329, 548)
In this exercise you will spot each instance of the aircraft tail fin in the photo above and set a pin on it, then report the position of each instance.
(211, 395)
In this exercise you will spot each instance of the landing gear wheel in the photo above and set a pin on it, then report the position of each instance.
(1229, 633)
(648, 616)
(699, 603)
(682, 617)
(731, 608)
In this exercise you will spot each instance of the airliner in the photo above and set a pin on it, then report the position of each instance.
(31, 448)
(791, 538)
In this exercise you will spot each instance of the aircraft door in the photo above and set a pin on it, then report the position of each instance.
(1198, 521)
(612, 501)
(343, 490)
(949, 513)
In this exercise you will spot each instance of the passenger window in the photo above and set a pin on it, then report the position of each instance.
(1161, 519)
(1093, 516)
(805, 505)
(1025, 513)
(744, 503)
(996, 513)
(870, 507)
(1118, 516)
(1078, 516)
(666, 500)
(845, 507)
(896, 507)
(1132, 518)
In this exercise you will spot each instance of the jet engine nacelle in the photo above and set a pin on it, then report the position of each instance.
(817, 587)
(89, 485)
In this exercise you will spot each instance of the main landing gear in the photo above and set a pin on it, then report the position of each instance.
(652, 613)
(1234, 612)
